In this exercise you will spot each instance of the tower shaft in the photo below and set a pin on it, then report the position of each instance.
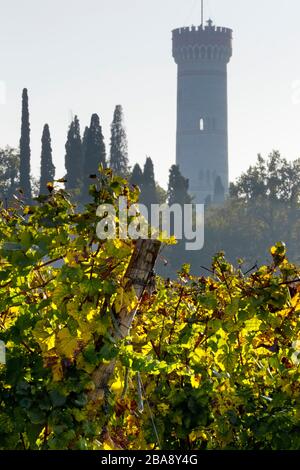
(202, 55)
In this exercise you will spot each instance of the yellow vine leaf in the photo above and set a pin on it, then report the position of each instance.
(195, 380)
(296, 302)
(108, 446)
(91, 315)
(57, 372)
(117, 386)
(44, 336)
(119, 299)
(66, 343)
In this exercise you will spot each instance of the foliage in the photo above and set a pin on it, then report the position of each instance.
(57, 286)
(25, 152)
(219, 191)
(263, 208)
(211, 363)
(273, 178)
(74, 156)
(178, 187)
(136, 177)
(161, 194)
(95, 153)
(246, 230)
(9, 172)
(84, 140)
(47, 167)
(151, 191)
(225, 351)
(118, 144)
(148, 189)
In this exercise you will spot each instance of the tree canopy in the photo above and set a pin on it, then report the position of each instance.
(118, 144)
(25, 182)
(9, 173)
(47, 166)
(178, 187)
(273, 178)
(74, 156)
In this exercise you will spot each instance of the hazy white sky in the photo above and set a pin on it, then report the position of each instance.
(86, 56)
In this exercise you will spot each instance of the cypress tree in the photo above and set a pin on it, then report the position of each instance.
(84, 140)
(137, 176)
(219, 191)
(25, 182)
(47, 167)
(95, 153)
(73, 158)
(178, 187)
(9, 173)
(178, 194)
(118, 145)
(149, 195)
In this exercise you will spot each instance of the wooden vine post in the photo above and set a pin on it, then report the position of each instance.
(138, 276)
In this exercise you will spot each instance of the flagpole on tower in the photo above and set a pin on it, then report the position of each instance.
(202, 12)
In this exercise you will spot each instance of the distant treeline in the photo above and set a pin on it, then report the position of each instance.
(83, 156)
(262, 208)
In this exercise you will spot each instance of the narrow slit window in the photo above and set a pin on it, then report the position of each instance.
(201, 124)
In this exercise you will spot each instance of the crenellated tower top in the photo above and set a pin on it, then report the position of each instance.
(199, 43)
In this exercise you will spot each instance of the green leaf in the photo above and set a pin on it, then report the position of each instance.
(58, 398)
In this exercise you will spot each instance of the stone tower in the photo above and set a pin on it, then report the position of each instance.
(202, 54)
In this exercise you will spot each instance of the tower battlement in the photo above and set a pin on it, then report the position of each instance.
(198, 42)
(206, 28)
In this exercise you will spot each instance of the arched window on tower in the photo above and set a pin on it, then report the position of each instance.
(201, 124)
